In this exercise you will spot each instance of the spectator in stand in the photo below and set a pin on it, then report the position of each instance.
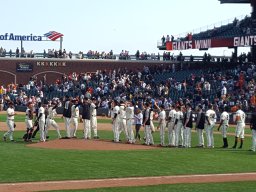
(17, 52)
(163, 40)
(70, 55)
(167, 38)
(172, 38)
(137, 55)
(10, 53)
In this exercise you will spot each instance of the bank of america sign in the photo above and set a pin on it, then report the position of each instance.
(52, 35)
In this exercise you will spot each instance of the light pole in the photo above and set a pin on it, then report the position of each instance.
(61, 40)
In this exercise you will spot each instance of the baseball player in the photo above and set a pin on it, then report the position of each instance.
(67, 116)
(162, 124)
(115, 120)
(74, 117)
(188, 124)
(86, 118)
(253, 128)
(224, 123)
(29, 123)
(129, 121)
(50, 119)
(171, 130)
(210, 117)
(93, 109)
(178, 123)
(146, 124)
(35, 126)
(151, 120)
(10, 122)
(200, 125)
(138, 121)
(122, 120)
(41, 122)
(240, 125)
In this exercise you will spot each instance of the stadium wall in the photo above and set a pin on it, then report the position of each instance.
(19, 71)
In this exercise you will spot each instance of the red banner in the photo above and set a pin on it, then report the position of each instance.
(242, 41)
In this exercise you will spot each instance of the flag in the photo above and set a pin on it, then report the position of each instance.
(53, 35)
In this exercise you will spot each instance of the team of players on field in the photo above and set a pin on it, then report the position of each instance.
(179, 123)
(125, 115)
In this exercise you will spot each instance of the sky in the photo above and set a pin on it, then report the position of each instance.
(104, 25)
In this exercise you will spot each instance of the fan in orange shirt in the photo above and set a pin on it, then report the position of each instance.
(253, 100)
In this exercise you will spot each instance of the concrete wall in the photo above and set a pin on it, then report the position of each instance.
(55, 67)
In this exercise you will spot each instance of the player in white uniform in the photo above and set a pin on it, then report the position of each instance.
(115, 120)
(93, 109)
(178, 123)
(130, 121)
(171, 129)
(188, 124)
(151, 121)
(224, 123)
(10, 122)
(210, 117)
(162, 125)
(41, 122)
(74, 117)
(240, 125)
(29, 122)
(86, 118)
(146, 124)
(122, 120)
(51, 111)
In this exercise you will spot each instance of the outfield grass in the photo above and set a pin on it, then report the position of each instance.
(211, 187)
(22, 163)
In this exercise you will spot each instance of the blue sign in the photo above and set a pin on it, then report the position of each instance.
(13, 37)
(24, 67)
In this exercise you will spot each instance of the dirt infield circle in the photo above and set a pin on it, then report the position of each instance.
(82, 144)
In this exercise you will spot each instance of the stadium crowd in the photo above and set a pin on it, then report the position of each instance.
(220, 87)
(237, 28)
(63, 54)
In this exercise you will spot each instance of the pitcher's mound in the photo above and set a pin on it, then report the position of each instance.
(81, 144)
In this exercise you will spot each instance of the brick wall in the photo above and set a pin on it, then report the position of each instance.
(53, 68)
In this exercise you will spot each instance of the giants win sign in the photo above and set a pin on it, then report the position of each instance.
(204, 44)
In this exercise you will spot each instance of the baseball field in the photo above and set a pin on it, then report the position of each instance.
(100, 165)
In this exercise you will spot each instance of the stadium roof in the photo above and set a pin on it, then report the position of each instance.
(235, 1)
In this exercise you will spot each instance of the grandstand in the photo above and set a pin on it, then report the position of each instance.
(239, 33)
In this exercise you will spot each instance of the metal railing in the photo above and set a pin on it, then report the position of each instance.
(207, 27)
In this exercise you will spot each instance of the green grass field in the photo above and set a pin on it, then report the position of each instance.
(21, 163)
(211, 187)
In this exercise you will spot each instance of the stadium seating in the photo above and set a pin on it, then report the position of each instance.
(236, 28)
